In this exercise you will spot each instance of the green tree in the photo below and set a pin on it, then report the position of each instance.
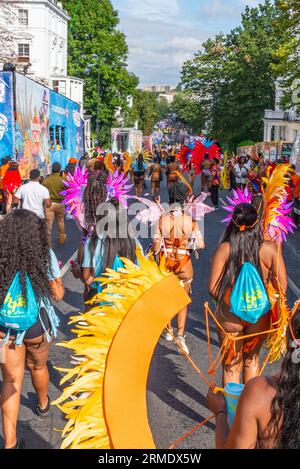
(163, 108)
(188, 111)
(233, 76)
(98, 53)
(288, 52)
(147, 109)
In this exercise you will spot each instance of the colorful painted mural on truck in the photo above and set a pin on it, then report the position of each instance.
(6, 115)
(32, 125)
(48, 127)
(66, 129)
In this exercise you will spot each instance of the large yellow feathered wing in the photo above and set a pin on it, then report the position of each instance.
(105, 404)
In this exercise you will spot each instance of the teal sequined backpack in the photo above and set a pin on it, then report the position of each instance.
(249, 299)
(17, 313)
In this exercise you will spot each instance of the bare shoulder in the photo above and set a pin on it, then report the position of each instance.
(268, 250)
(260, 390)
(223, 249)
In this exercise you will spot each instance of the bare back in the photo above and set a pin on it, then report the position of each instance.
(250, 428)
(179, 226)
(273, 271)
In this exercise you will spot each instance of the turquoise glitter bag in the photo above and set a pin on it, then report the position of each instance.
(249, 299)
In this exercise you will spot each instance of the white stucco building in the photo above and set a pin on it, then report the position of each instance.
(40, 33)
(280, 124)
(165, 91)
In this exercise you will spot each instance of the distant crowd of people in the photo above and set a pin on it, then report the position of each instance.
(26, 257)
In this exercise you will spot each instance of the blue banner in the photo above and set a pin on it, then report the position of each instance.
(66, 129)
(6, 115)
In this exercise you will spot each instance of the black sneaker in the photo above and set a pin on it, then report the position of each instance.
(43, 412)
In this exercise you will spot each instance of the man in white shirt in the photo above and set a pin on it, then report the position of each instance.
(33, 196)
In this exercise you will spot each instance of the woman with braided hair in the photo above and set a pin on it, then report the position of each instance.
(95, 193)
(241, 245)
(172, 238)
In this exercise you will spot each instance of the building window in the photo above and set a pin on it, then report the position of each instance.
(56, 86)
(59, 86)
(23, 50)
(63, 137)
(23, 17)
(52, 137)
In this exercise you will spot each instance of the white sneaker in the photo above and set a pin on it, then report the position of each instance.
(181, 340)
(167, 336)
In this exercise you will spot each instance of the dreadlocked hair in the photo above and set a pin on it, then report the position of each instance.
(284, 424)
(95, 193)
(119, 242)
(178, 193)
(24, 248)
(244, 246)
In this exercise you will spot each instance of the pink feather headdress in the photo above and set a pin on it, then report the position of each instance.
(73, 195)
(118, 187)
(239, 197)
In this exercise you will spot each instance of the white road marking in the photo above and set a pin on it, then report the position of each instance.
(67, 265)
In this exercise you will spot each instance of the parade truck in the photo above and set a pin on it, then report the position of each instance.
(38, 126)
(127, 140)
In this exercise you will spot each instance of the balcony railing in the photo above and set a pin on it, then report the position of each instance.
(282, 115)
(23, 59)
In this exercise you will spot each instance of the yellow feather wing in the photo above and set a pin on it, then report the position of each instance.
(82, 400)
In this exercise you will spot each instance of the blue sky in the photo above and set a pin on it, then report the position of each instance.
(162, 34)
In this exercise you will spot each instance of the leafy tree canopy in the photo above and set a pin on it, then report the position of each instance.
(232, 76)
(98, 54)
(147, 110)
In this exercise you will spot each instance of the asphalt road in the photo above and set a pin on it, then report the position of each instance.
(176, 393)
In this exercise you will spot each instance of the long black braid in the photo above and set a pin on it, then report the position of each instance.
(95, 193)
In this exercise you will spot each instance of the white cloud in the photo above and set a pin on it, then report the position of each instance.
(149, 9)
(162, 34)
(225, 9)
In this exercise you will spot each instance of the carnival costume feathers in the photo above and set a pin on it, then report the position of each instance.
(73, 195)
(225, 180)
(193, 207)
(108, 161)
(193, 152)
(239, 197)
(127, 162)
(277, 222)
(83, 402)
(117, 186)
(112, 167)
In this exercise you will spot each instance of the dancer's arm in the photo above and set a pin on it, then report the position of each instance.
(244, 432)
(217, 267)
(279, 278)
(198, 236)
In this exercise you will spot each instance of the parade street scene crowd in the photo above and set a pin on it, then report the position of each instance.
(149, 262)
